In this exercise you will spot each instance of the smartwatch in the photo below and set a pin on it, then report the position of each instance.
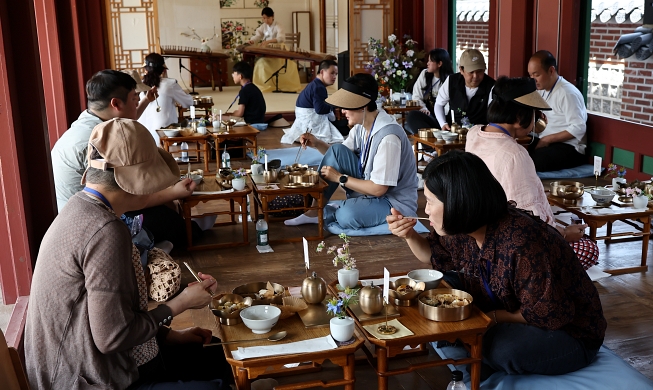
(343, 179)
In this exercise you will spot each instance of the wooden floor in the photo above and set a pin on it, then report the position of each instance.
(626, 299)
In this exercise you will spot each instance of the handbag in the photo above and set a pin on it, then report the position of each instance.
(164, 278)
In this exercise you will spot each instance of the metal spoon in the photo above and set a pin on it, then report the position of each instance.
(275, 337)
(158, 108)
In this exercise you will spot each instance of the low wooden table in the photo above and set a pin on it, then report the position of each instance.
(249, 369)
(469, 331)
(197, 138)
(392, 110)
(247, 133)
(578, 207)
(264, 196)
(208, 185)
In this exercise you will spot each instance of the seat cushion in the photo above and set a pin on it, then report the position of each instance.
(586, 170)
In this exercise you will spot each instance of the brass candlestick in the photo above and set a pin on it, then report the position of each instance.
(386, 329)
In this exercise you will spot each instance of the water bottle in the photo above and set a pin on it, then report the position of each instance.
(184, 152)
(456, 381)
(261, 231)
(402, 99)
(226, 158)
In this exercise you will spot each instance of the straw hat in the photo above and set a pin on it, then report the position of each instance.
(127, 147)
(352, 97)
(472, 60)
(140, 87)
(524, 94)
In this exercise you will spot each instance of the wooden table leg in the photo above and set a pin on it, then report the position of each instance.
(242, 380)
(189, 228)
(348, 372)
(608, 232)
(320, 217)
(646, 229)
(475, 352)
(382, 367)
(243, 209)
(207, 155)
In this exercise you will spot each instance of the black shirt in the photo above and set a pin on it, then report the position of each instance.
(475, 109)
(252, 98)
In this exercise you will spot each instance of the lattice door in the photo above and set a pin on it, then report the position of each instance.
(133, 29)
(369, 19)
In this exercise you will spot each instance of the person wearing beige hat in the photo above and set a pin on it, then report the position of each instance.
(467, 92)
(88, 323)
(512, 114)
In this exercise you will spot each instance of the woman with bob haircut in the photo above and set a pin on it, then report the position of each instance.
(512, 114)
(546, 314)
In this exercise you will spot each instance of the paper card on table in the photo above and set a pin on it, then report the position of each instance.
(192, 112)
(597, 165)
(386, 285)
(308, 265)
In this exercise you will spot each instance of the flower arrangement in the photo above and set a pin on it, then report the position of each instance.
(396, 65)
(615, 171)
(204, 42)
(239, 173)
(259, 158)
(261, 3)
(233, 35)
(637, 191)
(337, 307)
(342, 254)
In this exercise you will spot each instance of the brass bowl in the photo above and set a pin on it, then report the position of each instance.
(206, 99)
(311, 177)
(425, 133)
(569, 190)
(405, 299)
(441, 313)
(251, 290)
(227, 317)
(270, 176)
(296, 177)
(297, 168)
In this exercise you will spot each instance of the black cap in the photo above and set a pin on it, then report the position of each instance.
(456, 375)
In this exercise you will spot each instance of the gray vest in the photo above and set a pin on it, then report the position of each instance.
(403, 196)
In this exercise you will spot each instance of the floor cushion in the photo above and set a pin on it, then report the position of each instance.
(607, 371)
(309, 156)
(586, 170)
(379, 230)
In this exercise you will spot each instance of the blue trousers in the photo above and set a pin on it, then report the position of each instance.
(356, 212)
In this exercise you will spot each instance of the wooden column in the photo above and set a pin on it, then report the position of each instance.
(510, 37)
(406, 22)
(436, 24)
(556, 29)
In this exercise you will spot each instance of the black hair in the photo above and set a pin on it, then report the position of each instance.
(106, 85)
(267, 11)
(326, 64)
(507, 111)
(369, 85)
(244, 69)
(155, 65)
(546, 59)
(441, 55)
(472, 197)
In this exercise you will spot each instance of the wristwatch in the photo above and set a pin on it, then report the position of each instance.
(343, 179)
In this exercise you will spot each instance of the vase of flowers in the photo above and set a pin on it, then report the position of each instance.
(238, 182)
(257, 162)
(341, 326)
(640, 198)
(618, 175)
(396, 65)
(348, 275)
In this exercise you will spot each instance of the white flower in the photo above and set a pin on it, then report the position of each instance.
(376, 76)
(410, 53)
(398, 73)
(403, 73)
(392, 38)
(385, 79)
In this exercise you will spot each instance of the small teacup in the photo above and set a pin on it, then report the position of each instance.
(270, 176)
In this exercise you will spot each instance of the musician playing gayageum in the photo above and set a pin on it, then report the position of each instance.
(269, 31)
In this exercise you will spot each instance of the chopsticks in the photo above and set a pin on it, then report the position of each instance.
(299, 152)
(417, 218)
(198, 278)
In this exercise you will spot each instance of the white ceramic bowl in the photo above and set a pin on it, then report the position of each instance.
(196, 178)
(437, 134)
(449, 136)
(430, 277)
(171, 133)
(260, 319)
(602, 196)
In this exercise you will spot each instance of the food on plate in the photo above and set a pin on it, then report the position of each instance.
(447, 301)
(231, 307)
(404, 289)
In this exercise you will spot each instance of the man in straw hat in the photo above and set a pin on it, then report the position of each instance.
(375, 165)
(562, 143)
(88, 308)
(112, 94)
(467, 92)
(512, 114)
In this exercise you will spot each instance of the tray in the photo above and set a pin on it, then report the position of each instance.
(316, 316)
(358, 312)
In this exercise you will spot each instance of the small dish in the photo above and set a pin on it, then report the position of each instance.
(260, 319)
(171, 133)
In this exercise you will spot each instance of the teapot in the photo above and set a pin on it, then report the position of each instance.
(370, 299)
(314, 289)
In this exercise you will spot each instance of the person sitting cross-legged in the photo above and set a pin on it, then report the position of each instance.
(375, 165)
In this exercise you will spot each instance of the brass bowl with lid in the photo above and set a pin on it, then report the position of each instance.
(566, 189)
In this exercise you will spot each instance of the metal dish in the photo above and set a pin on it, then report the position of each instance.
(425, 133)
(227, 317)
(251, 290)
(444, 314)
(206, 99)
(408, 298)
(569, 190)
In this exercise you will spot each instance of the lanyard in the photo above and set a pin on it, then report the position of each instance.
(99, 196)
(549, 94)
(237, 96)
(365, 152)
(501, 128)
(488, 267)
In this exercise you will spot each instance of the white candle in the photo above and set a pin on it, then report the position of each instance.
(266, 162)
(220, 116)
(453, 118)
(192, 112)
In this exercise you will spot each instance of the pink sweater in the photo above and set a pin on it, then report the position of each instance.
(511, 165)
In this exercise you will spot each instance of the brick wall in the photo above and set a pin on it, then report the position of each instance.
(472, 35)
(636, 91)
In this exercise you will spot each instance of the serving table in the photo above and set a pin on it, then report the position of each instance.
(197, 138)
(469, 331)
(249, 369)
(247, 133)
(585, 207)
(208, 190)
(264, 195)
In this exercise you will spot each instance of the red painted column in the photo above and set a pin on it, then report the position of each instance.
(510, 37)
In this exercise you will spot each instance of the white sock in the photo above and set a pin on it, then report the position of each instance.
(206, 223)
(301, 220)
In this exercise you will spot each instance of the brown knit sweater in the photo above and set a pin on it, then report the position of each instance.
(83, 315)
